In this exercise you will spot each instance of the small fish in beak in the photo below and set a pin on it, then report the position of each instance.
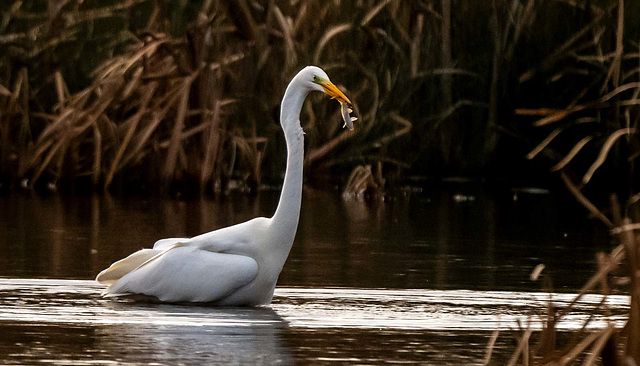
(345, 109)
(345, 104)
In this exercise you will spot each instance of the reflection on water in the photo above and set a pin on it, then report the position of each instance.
(428, 241)
(419, 280)
(68, 322)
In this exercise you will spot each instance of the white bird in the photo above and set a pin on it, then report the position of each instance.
(236, 265)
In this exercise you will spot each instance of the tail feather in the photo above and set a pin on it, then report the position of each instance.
(126, 265)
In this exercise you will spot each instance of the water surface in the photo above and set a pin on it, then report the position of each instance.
(437, 241)
(424, 279)
(66, 321)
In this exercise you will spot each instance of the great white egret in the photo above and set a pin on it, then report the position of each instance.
(240, 264)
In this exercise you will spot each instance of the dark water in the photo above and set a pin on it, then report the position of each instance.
(441, 241)
(423, 279)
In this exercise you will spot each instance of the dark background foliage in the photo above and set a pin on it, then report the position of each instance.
(441, 88)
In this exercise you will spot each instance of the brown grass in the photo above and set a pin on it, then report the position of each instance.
(610, 138)
(182, 106)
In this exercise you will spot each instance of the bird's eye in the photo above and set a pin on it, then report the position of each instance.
(315, 78)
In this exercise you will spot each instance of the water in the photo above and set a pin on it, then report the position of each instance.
(67, 322)
(420, 280)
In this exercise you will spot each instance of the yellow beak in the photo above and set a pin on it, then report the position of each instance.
(334, 92)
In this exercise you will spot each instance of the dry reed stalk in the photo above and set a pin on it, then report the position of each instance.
(16, 142)
(559, 115)
(612, 262)
(632, 252)
(130, 131)
(599, 348)
(240, 13)
(620, 89)
(369, 118)
(605, 151)
(291, 58)
(416, 40)
(522, 350)
(547, 140)
(327, 36)
(373, 12)
(561, 51)
(583, 200)
(490, 347)
(299, 18)
(447, 57)
(492, 123)
(614, 72)
(143, 137)
(4, 91)
(505, 37)
(542, 145)
(405, 128)
(574, 151)
(176, 140)
(252, 154)
(61, 88)
(575, 351)
(323, 150)
(450, 150)
(211, 150)
(535, 111)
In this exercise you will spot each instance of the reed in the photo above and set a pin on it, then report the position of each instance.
(184, 98)
(608, 346)
(589, 138)
(194, 97)
(154, 93)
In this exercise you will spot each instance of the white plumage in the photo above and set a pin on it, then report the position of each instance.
(240, 264)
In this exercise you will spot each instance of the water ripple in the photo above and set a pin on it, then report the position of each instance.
(79, 302)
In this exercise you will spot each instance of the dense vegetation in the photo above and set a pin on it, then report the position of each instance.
(139, 92)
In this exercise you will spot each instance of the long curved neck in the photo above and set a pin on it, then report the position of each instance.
(288, 212)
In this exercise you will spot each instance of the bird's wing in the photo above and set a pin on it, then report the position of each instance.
(235, 239)
(126, 265)
(187, 274)
(120, 268)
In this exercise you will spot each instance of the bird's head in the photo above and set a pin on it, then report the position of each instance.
(319, 81)
(316, 79)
